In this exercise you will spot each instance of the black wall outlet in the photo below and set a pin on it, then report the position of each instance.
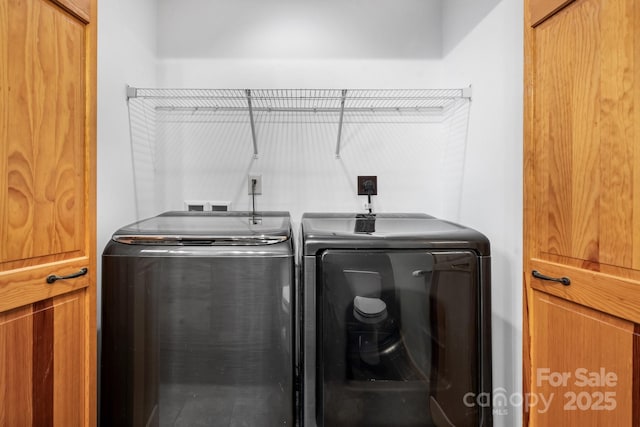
(364, 183)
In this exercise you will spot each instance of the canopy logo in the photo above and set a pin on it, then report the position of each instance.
(501, 401)
(578, 390)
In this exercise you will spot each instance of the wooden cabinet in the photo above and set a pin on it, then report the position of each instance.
(582, 204)
(579, 379)
(47, 212)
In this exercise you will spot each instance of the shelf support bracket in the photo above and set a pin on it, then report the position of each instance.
(132, 92)
(344, 96)
(253, 125)
(466, 92)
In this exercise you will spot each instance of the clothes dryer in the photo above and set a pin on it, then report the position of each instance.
(396, 322)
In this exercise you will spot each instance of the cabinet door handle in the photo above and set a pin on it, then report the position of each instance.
(52, 278)
(564, 280)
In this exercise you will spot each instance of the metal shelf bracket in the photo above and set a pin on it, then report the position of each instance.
(253, 125)
(466, 92)
(342, 100)
(132, 92)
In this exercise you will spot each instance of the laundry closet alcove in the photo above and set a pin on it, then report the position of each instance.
(205, 311)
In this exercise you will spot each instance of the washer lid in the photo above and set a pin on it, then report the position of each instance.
(208, 228)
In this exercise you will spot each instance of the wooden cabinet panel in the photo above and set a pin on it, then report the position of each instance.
(43, 350)
(615, 295)
(620, 134)
(80, 8)
(541, 9)
(16, 334)
(70, 339)
(48, 135)
(28, 285)
(574, 369)
(43, 203)
(567, 146)
(585, 137)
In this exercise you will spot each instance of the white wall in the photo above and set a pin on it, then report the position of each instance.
(208, 156)
(369, 73)
(297, 161)
(126, 55)
(285, 29)
(483, 44)
(346, 44)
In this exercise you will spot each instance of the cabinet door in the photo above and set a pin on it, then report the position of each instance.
(47, 127)
(582, 190)
(47, 210)
(583, 368)
(582, 154)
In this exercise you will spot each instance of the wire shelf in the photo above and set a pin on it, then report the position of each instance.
(302, 105)
(300, 100)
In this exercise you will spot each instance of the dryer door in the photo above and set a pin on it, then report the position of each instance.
(398, 340)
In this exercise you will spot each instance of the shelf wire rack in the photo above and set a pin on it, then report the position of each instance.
(299, 105)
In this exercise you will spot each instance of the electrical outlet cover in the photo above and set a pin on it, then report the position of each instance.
(362, 180)
(196, 205)
(258, 179)
(220, 206)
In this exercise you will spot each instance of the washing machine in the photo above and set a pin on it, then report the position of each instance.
(396, 322)
(198, 321)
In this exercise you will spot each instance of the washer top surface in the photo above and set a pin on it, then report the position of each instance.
(386, 231)
(208, 228)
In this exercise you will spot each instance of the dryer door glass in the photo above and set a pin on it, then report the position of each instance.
(399, 338)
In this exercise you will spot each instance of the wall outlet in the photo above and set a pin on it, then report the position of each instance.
(219, 206)
(196, 205)
(364, 181)
(206, 205)
(258, 186)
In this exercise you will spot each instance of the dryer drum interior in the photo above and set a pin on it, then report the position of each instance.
(412, 350)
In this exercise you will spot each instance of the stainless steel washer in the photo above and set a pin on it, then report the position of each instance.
(198, 321)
